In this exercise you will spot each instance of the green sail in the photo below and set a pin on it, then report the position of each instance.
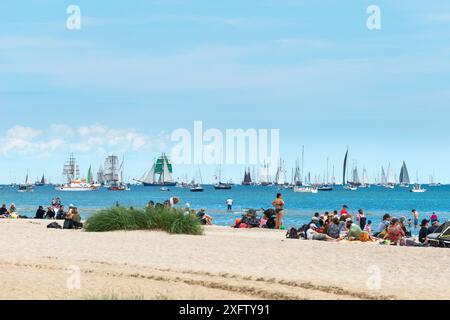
(89, 176)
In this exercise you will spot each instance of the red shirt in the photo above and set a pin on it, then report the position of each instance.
(344, 212)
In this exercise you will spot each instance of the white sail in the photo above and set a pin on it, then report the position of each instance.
(150, 176)
(166, 176)
(383, 176)
(390, 176)
(365, 178)
(264, 174)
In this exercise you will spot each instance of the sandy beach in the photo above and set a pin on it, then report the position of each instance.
(225, 263)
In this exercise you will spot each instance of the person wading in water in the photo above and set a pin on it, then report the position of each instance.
(278, 203)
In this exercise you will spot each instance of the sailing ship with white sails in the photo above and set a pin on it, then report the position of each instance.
(71, 173)
(113, 174)
(326, 186)
(390, 178)
(280, 177)
(365, 179)
(264, 176)
(160, 175)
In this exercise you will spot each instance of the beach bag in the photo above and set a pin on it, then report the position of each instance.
(54, 225)
(292, 234)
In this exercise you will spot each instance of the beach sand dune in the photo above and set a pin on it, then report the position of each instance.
(225, 263)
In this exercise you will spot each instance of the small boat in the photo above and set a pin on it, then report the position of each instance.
(26, 187)
(404, 176)
(326, 187)
(220, 185)
(77, 186)
(164, 189)
(196, 188)
(305, 189)
(418, 189)
(350, 188)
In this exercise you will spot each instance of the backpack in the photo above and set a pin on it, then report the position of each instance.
(292, 234)
(303, 229)
(54, 225)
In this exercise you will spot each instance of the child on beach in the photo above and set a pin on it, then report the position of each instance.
(416, 218)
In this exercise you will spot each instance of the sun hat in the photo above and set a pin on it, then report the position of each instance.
(315, 219)
(349, 220)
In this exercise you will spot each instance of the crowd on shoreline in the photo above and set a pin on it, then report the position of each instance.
(329, 226)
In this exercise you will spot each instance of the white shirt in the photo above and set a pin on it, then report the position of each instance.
(230, 202)
(310, 233)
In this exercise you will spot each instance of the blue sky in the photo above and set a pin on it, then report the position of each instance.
(137, 71)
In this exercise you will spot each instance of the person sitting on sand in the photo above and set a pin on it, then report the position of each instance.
(278, 203)
(3, 210)
(408, 227)
(395, 232)
(150, 205)
(61, 214)
(40, 213)
(73, 218)
(354, 231)
(313, 234)
(50, 213)
(383, 225)
(333, 228)
(423, 232)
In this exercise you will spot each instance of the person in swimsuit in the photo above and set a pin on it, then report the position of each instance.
(416, 218)
(278, 203)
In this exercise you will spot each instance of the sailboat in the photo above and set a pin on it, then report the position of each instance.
(71, 172)
(220, 185)
(196, 185)
(26, 187)
(404, 176)
(41, 183)
(160, 175)
(365, 179)
(390, 178)
(347, 184)
(417, 187)
(326, 186)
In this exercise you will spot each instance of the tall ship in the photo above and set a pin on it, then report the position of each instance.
(101, 176)
(113, 174)
(264, 177)
(71, 173)
(404, 176)
(280, 177)
(160, 175)
(247, 178)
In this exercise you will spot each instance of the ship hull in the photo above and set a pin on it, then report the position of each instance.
(165, 184)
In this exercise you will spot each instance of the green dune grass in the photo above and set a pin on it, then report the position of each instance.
(119, 218)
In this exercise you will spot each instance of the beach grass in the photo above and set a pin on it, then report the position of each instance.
(120, 218)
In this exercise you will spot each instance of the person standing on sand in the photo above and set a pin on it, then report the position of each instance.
(278, 203)
(229, 205)
(416, 218)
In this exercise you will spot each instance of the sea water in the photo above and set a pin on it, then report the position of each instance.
(300, 207)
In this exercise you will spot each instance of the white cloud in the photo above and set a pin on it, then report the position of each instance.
(97, 138)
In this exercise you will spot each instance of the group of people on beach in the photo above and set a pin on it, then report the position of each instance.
(71, 218)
